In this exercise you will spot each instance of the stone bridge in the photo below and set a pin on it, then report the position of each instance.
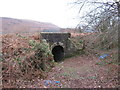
(59, 44)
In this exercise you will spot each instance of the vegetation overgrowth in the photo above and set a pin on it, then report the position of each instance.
(24, 58)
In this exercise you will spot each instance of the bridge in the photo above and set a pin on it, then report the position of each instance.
(59, 44)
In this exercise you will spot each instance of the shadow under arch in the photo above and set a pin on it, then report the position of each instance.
(58, 53)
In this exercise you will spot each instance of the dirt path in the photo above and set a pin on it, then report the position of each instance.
(79, 72)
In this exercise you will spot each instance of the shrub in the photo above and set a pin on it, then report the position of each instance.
(25, 58)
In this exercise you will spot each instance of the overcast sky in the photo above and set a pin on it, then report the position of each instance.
(58, 12)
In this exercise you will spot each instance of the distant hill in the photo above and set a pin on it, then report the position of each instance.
(11, 25)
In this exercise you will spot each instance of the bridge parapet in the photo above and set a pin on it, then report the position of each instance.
(56, 38)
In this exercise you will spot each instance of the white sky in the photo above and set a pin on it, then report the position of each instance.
(54, 11)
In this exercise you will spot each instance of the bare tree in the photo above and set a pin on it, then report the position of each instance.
(102, 16)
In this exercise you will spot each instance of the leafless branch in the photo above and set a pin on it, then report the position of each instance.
(82, 6)
(102, 12)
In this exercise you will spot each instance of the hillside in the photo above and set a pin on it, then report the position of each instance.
(27, 62)
(11, 25)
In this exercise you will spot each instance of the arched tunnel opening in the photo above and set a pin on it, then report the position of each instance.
(58, 53)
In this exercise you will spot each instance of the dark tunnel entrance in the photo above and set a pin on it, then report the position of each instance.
(58, 53)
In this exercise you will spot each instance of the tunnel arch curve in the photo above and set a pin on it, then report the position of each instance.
(58, 53)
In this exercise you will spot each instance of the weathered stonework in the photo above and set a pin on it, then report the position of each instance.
(58, 39)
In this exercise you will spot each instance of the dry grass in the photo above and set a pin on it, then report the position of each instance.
(20, 61)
